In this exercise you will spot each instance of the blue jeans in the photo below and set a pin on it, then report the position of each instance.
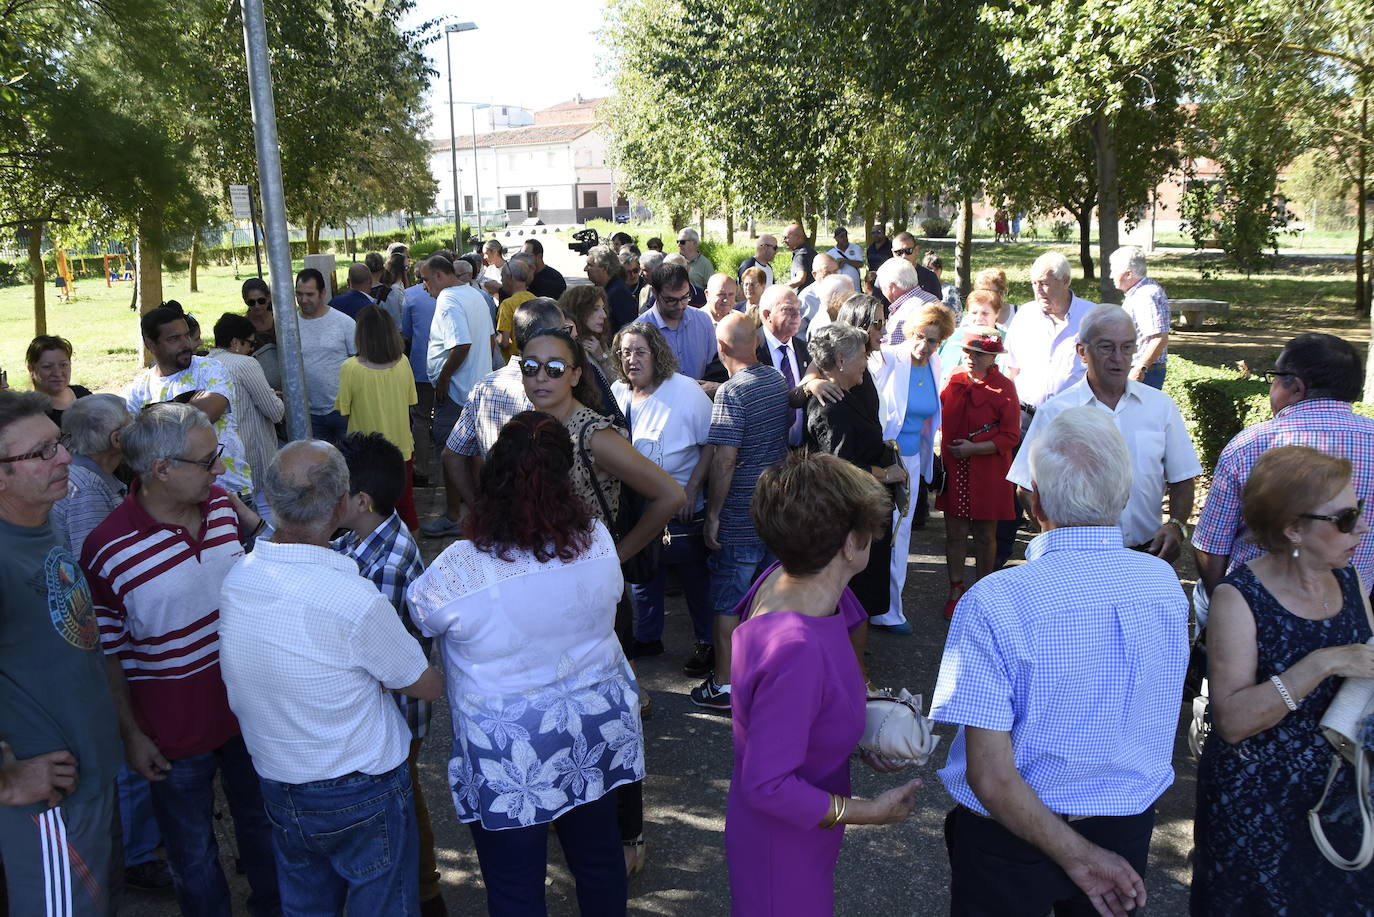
(733, 570)
(185, 807)
(136, 819)
(445, 416)
(1154, 376)
(515, 860)
(346, 844)
(687, 554)
(331, 427)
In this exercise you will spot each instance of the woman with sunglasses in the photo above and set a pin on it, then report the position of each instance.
(1283, 631)
(558, 381)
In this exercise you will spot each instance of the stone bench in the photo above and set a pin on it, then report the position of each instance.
(1190, 313)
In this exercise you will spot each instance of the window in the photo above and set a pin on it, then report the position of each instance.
(467, 202)
(512, 202)
(589, 199)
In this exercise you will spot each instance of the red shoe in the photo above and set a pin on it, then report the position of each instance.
(954, 599)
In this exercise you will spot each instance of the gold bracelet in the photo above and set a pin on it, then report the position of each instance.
(832, 815)
(844, 802)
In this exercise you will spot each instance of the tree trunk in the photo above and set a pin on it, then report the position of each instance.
(729, 225)
(963, 248)
(701, 222)
(677, 220)
(195, 256)
(149, 279)
(1108, 200)
(40, 291)
(1085, 240)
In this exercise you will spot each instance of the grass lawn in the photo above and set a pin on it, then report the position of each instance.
(1266, 310)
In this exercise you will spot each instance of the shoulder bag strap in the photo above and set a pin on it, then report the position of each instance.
(607, 516)
(1365, 854)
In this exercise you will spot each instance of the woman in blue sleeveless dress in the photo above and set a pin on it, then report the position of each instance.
(1283, 631)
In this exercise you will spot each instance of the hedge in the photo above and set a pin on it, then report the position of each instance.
(1216, 404)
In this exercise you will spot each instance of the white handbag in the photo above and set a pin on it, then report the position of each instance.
(1342, 724)
(895, 728)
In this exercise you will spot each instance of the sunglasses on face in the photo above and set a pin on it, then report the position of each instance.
(554, 369)
(900, 252)
(1345, 521)
(257, 301)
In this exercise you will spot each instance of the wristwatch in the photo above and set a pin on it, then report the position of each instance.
(1182, 527)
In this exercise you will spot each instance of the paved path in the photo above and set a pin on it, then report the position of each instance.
(892, 871)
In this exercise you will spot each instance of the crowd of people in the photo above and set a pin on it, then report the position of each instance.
(186, 597)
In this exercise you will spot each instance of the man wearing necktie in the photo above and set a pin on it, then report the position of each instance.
(781, 314)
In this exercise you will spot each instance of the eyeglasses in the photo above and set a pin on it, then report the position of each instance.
(638, 353)
(683, 241)
(1107, 348)
(1345, 520)
(765, 245)
(1272, 375)
(554, 369)
(676, 300)
(901, 252)
(43, 452)
(257, 301)
(570, 327)
(207, 464)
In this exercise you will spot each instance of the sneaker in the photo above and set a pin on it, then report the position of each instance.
(150, 876)
(639, 649)
(439, 526)
(701, 662)
(903, 630)
(712, 696)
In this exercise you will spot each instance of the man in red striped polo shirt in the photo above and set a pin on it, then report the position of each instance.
(155, 567)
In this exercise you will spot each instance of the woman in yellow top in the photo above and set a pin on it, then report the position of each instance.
(376, 390)
(516, 275)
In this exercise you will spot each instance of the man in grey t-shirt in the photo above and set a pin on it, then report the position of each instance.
(326, 342)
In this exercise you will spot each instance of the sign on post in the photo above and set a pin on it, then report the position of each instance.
(241, 202)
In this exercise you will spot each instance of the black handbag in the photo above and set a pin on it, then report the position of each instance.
(642, 567)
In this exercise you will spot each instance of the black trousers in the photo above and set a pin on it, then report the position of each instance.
(994, 872)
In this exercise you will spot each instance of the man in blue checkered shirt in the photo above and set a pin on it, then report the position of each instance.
(1063, 675)
(388, 555)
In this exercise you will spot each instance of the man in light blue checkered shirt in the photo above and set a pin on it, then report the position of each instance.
(1064, 677)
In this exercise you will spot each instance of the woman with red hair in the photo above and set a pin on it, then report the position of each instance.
(545, 708)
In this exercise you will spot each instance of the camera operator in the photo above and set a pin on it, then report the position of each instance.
(547, 281)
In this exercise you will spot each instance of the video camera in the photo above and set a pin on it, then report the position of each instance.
(587, 239)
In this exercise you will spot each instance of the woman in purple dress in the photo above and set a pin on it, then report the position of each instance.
(798, 694)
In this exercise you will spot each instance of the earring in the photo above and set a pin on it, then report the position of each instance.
(1295, 552)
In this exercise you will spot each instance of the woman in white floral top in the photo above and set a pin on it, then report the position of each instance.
(545, 708)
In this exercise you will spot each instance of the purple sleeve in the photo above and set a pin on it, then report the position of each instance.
(785, 700)
(851, 610)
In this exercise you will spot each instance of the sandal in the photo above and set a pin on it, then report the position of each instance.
(646, 704)
(635, 855)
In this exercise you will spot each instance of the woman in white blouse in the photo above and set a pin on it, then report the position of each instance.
(545, 708)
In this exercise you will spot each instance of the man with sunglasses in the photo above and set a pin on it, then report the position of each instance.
(764, 252)
(1163, 459)
(699, 267)
(156, 565)
(1312, 386)
(904, 247)
(59, 746)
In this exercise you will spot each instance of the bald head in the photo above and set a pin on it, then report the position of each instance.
(735, 333)
(305, 484)
(359, 276)
(823, 266)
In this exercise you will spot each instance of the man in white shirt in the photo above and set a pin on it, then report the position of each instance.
(848, 255)
(326, 342)
(764, 252)
(1163, 459)
(308, 646)
(809, 299)
(460, 341)
(1148, 306)
(1041, 339)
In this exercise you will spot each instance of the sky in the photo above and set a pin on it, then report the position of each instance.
(533, 54)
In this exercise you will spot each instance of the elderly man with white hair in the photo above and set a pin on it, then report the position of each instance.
(898, 283)
(1148, 306)
(309, 649)
(822, 266)
(1163, 459)
(1063, 676)
(93, 424)
(824, 291)
(1042, 335)
(699, 267)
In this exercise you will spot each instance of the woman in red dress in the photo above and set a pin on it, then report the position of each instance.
(982, 425)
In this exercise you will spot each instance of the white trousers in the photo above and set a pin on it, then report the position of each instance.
(901, 541)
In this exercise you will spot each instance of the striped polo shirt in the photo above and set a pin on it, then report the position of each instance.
(751, 413)
(156, 589)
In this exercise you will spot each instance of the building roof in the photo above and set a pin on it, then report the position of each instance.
(518, 136)
(576, 110)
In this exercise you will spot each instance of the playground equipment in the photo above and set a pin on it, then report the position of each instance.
(122, 271)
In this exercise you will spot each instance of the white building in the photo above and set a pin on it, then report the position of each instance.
(554, 170)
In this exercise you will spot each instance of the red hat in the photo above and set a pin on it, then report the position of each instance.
(983, 340)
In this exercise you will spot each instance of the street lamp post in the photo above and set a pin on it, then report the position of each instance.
(453, 133)
(476, 172)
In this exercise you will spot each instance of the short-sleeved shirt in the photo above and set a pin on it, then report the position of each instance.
(505, 319)
(854, 253)
(877, 254)
(417, 312)
(693, 341)
(700, 269)
(548, 282)
(1148, 307)
(492, 403)
(1079, 654)
(92, 494)
(751, 261)
(326, 342)
(156, 589)
(751, 413)
(54, 695)
(308, 643)
(377, 401)
(670, 425)
(1324, 424)
(1043, 352)
(802, 257)
(203, 375)
(1162, 453)
(460, 317)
